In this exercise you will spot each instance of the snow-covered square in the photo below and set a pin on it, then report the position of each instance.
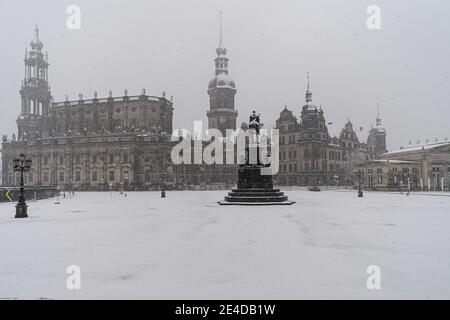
(188, 247)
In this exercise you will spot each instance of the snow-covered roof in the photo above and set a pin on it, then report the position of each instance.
(419, 148)
(394, 161)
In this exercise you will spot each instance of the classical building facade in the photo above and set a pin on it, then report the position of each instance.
(387, 175)
(425, 167)
(434, 161)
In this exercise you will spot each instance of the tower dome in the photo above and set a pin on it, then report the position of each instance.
(222, 80)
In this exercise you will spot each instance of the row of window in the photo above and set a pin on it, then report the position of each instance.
(77, 176)
(294, 167)
(349, 145)
(77, 159)
(395, 170)
(291, 139)
(438, 169)
(379, 179)
(292, 154)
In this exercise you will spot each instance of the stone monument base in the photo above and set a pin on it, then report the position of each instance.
(255, 189)
(256, 197)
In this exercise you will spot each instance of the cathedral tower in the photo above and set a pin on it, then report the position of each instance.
(35, 92)
(222, 89)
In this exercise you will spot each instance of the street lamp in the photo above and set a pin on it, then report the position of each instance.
(22, 164)
(162, 185)
(360, 192)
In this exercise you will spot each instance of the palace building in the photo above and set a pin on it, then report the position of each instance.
(309, 156)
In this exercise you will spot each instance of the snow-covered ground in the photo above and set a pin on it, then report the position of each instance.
(188, 247)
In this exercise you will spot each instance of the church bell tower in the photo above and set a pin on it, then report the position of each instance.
(221, 90)
(35, 93)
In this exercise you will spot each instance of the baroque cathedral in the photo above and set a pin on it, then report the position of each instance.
(124, 142)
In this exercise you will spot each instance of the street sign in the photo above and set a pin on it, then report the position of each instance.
(8, 196)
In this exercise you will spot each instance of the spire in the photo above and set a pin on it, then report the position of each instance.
(221, 51)
(36, 43)
(221, 60)
(378, 115)
(36, 32)
(221, 35)
(308, 93)
(307, 75)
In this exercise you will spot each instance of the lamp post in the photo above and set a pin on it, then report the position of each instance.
(22, 164)
(360, 192)
(162, 183)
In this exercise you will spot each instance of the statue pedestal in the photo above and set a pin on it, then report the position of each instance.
(254, 189)
(250, 177)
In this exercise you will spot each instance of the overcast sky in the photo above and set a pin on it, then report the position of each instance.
(170, 45)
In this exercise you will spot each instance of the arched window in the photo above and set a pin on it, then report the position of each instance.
(111, 159)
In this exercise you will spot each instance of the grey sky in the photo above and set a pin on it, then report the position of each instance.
(170, 45)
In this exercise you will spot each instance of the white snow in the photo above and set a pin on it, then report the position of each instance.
(418, 148)
(393, 161)
(188, 247)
